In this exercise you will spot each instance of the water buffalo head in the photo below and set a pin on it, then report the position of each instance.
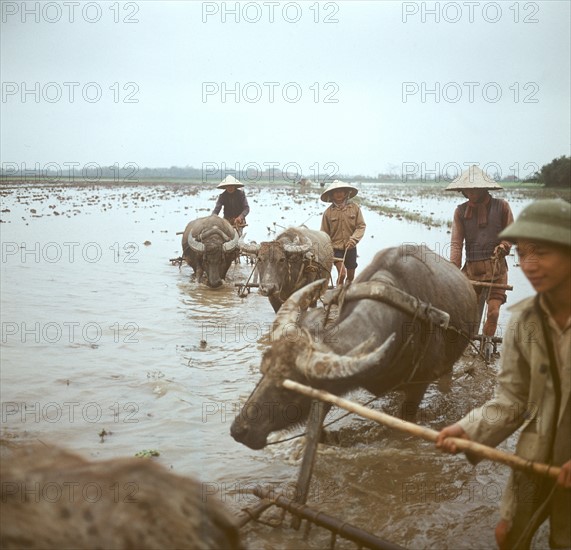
(279, 265)
(216, 250)
(298, 354)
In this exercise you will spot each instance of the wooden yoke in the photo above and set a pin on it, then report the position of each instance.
(492, 285)
(383, 292)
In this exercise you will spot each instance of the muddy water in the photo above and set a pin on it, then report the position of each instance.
(109, 349)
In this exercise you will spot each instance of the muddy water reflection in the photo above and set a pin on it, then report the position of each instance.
(100, 332)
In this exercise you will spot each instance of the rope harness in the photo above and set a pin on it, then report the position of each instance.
(417, 309)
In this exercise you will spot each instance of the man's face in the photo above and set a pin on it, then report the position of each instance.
(546, 266)
(339, 195)
(474, 195)
(231, 188)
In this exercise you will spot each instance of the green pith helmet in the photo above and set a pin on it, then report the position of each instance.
(547, 220)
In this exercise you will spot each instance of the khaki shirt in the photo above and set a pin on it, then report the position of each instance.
(561, 338)
(525, 398)
(341, 223)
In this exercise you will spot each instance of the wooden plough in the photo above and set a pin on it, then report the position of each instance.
(426, 313)
(341, 528)
(493, 340)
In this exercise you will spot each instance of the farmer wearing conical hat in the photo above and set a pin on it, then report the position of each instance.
(344, 223)
(477, 224)
(533, 392)
(234, 202)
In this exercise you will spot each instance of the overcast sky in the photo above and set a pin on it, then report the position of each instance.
(363, 86)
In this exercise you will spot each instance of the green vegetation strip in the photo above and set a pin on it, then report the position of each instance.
(401, 213)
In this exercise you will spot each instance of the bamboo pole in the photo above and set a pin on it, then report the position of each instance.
(484, 451)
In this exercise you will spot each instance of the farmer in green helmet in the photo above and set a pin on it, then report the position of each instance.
(534, 383)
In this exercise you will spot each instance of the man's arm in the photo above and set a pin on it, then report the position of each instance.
(502, 415)
(564, 478)
(457, 240)
(219, 204)
(245, 207)
(360, 227)
(507, 410)
(507, 219)
(325, 223)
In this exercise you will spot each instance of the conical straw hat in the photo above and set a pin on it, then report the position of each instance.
(473, 178)
(229, 180)
(326, 196)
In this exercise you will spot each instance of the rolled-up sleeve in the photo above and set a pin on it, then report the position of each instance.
(457, 239)
(360, 226)
(245, 206)
(507, 219)
(325, 223)
(219, 204)
(502, 415)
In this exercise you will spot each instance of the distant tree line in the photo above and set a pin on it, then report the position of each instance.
(555, 174)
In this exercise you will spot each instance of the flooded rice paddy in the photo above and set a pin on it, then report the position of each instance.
(109, 350)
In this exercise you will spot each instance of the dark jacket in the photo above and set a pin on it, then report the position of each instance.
(235, 204)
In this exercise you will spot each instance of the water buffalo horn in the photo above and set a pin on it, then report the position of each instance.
(299, 248)
(194, 244)
(250, 248)
(207, 232)
(331, 366)
(231, 245)
(287, 314)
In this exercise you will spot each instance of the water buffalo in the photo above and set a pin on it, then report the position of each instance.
(297, 257)
(372, 344)
(54, 499)
(209, 246)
